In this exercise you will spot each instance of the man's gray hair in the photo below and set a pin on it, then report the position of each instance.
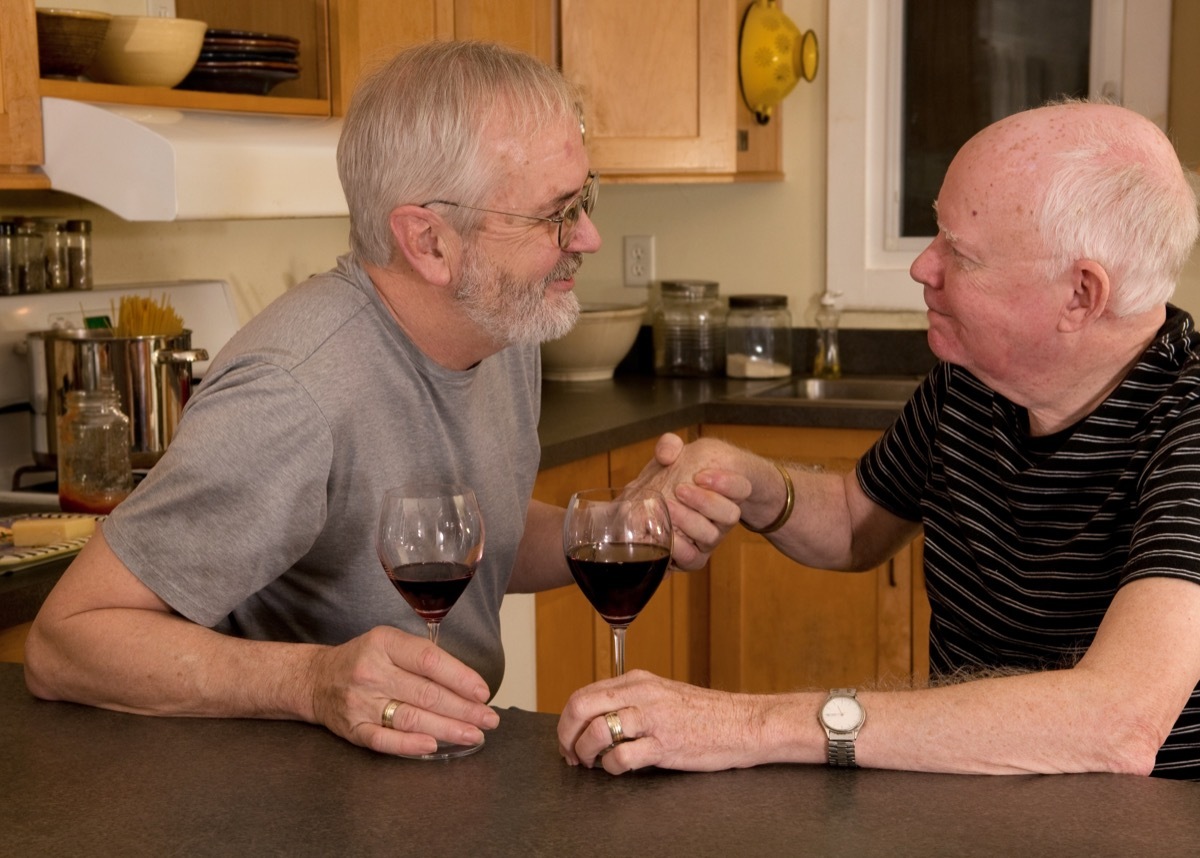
(1129, 206)
(415, 132)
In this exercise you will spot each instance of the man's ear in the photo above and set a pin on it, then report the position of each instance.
(1090, 293)
(422, 239)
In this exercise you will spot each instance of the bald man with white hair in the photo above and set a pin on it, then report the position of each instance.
(1052, 458)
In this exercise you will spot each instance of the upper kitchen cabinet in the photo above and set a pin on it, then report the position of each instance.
(307, 95)
(365, 33)
(20, 110)
(660, 88)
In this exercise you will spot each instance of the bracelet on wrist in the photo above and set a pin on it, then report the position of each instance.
(788, 505)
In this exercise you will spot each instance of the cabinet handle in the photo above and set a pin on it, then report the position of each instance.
(891, 575)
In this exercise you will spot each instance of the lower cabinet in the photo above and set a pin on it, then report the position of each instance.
(574, 645)
(753, 620)
(777, 625)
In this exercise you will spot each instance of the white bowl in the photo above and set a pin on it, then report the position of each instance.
(140, 50)
(599, 341)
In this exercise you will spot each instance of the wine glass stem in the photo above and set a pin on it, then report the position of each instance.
(618, 633)
(433, 631)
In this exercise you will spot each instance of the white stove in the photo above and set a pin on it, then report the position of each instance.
(206, 307)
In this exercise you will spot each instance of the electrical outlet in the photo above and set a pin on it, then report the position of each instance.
(160, 8)
(639, 260)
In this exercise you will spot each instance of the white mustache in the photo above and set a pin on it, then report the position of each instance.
(566, 269)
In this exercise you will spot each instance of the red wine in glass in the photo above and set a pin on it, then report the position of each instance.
(618, 578)
(429, 541)
(431, 588)
(618, 544)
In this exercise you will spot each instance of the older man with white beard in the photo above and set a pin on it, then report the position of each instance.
(240, 579)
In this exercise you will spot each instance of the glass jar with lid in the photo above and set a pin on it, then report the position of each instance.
(10, 273)
(54, 246)
(79, 254)
(758, 337)
(29, 248)
(688, 327)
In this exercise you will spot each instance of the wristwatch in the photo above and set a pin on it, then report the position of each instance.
(842, 716)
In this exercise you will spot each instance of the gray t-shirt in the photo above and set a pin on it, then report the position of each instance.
(260, 519)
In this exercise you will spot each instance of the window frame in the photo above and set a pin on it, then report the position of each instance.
(866, 262)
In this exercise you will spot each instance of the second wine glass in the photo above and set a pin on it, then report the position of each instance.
(618, 545)
(429, 541)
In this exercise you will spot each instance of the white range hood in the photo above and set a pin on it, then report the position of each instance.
(165, 164)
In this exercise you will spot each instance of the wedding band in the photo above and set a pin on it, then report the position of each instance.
(614, 728)
(389, 712)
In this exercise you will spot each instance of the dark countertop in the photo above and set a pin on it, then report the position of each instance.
(86, 781)
(583, 418)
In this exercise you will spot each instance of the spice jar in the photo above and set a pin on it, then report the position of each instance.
(94, 472)
(31, 259)
(689, 329)
(10, 277)
(54, 247)
(758, 337)
(79, 254)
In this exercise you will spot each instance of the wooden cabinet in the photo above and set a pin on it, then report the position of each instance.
(574, 645)
(367, 32)
(779, 626)
(20, 109)
(660, 89)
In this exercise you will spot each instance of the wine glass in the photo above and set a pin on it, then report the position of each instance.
(618, 545)
(429, 540)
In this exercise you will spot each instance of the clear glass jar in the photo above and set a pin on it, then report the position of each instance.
(94, 472)
(54, 246)
(79, 254)
(31, 259)
(758, 337)
(10, 277)
(689, 329)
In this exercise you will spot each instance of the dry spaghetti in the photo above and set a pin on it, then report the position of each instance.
(145, 317)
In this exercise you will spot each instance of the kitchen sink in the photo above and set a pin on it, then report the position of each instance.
(872, 390)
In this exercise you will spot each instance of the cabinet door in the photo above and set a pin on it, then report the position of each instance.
(20, 107)
(366, 33)
(778, 625)
(569, 642)
(659, 82)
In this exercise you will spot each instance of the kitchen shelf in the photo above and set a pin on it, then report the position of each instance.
(158, 96)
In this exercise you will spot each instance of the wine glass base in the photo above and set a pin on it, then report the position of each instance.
(445, 751)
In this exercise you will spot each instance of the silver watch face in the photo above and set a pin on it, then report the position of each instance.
(842, 714)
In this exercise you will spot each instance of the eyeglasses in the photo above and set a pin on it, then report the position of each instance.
(567, 219)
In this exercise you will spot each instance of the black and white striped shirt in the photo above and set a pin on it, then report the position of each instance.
(1028, 539)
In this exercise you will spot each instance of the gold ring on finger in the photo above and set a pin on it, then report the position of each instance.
(614, 728)
(389, 712)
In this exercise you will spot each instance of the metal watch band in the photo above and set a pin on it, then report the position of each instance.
(841, 753)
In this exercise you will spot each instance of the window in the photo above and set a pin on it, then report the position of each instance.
(897, 115)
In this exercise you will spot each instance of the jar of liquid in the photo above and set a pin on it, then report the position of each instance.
(758, 337)
(94, 472)
(689, 329)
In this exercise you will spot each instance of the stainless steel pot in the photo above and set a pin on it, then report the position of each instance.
(153, 375)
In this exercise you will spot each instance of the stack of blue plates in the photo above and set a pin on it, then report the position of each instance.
(242, 62)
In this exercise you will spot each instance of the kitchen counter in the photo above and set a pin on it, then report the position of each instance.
(79, 780)
(583, 418)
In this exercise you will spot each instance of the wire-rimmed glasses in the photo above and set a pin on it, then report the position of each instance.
(567, 219)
